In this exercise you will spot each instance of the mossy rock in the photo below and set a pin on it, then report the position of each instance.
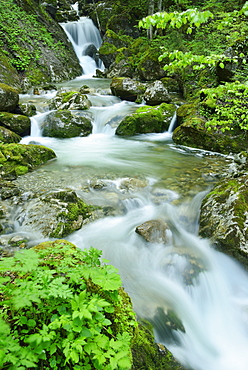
(147, 120)
(224, 217)
(9, 98)
(127, 88)
(18, 159)
(72, 100)
(17, 123)
(64, 124)
(149, 355)
(8, 136)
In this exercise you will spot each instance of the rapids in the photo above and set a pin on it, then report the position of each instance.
(206, 291)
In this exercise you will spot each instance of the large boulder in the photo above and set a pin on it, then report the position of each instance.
(18, 159)
(147, 120)
(224, 217)
(65, 212)
(126, 88)
(17, 123)
(72, 100)
(64, 124)
(156, 93)
(9, 98)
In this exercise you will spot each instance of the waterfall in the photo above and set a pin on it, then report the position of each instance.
(86, 40)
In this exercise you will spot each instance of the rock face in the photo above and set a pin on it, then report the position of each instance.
(64, 124)
(40, 52)
(147, 120)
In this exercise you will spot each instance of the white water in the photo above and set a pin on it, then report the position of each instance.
(207, 290)
(82, 34)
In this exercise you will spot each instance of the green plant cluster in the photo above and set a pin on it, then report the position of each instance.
(15, 33)
(61, 308)
(225, 107)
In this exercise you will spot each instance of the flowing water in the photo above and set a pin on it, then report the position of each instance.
(147, 178)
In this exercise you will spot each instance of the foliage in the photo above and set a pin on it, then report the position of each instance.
(15, 32)
(190, 17)
(62, 309)
(181, 60)
(225, 107)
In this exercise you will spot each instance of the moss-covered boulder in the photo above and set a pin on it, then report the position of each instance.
(17, 123)
(126, 88)
(63, 124)
(9, 97)
(216, 122)
(72, 100)
(224, 217)
(8, 136)
(18, 159)
(147, 120)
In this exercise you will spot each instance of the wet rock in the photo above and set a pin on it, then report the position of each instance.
(9, 98)
(8, 136)
(156, 94)
(8, 189)
(224, 217)
(17, 123)
(153, 231)
(64, 124)
(72, 100)
(18, 159)
(54, 214)
(126, 88)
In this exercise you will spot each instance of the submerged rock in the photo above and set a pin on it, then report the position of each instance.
(64, 124)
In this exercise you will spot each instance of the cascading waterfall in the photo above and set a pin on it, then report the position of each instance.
(195, 297)
(86, 40)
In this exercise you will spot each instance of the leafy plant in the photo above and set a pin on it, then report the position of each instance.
(190, 17)
(62, 308)
(225, 107)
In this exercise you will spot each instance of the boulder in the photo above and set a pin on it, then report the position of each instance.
(17, 123)
(126, 88)
(72, 100)
(156, 94)
(54, 214)
(18, 159)
(64, 124)
(147, 120)
(224, 217)
(8, 136)
(153, 231)
(9, 98)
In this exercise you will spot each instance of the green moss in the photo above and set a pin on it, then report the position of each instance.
(19, 158)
